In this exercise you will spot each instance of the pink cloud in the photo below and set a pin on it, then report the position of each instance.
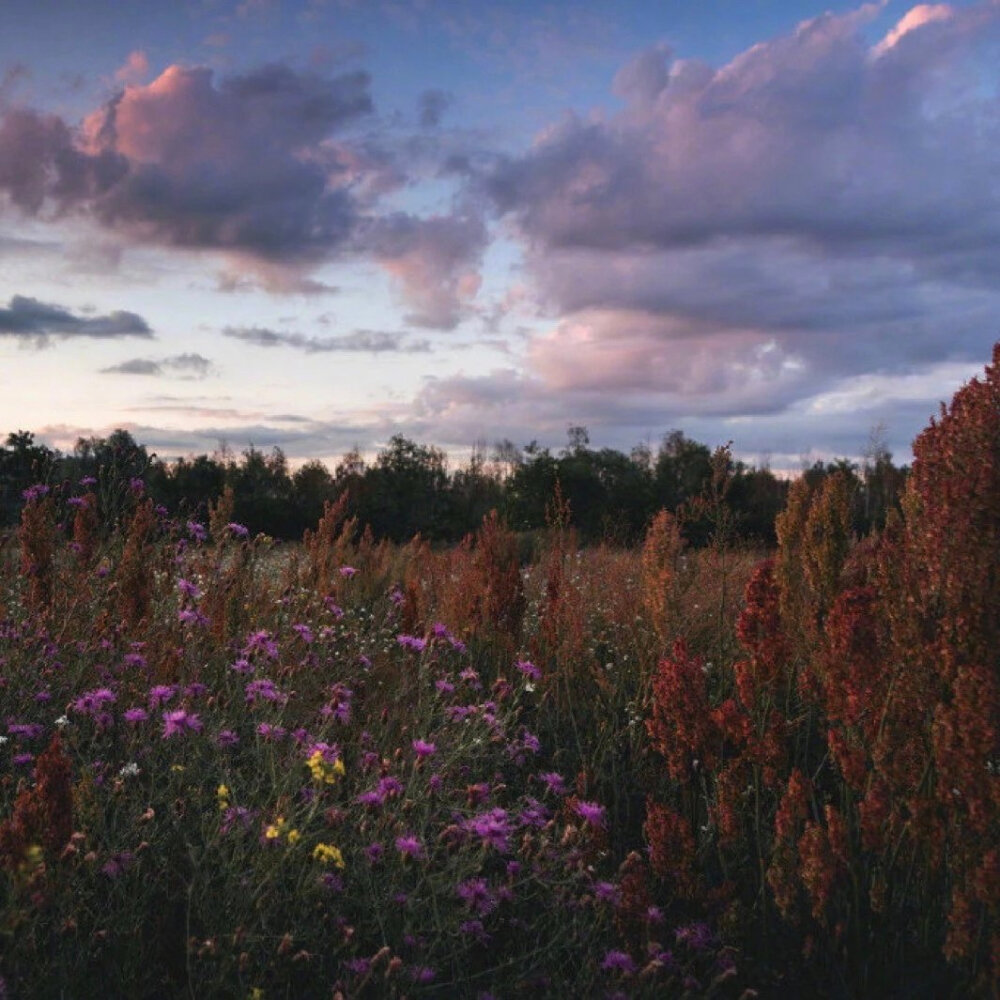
(916, 17)
(135, 69)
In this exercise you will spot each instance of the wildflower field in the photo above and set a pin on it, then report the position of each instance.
(357, 769)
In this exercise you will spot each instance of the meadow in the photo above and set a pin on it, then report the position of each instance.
(353, 768)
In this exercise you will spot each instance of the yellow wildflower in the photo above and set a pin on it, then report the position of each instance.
(294, 836)
(323, 772)
(223, 795)
(276, 829)
(328, 854)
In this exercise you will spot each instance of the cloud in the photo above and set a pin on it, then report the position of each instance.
(186, 366)
(134, 69)
(913, 19)
(435, 261)
(431, 105)
(370, 341)
(259, 168)
(28, 319)
(736, 241)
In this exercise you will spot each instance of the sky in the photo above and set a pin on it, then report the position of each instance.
(317, 224)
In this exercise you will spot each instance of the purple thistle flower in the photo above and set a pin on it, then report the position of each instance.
(697, 936)
(471, 677)
(335, 609)
(591, 813)
(423, 974)
(475, 893)
(304, 632)
(374, 852)
(35, 492)
(412, 642)
(409, 846)
(197, 531)
(92, 702)
(492, 828)
(347, 572)
(423, 749)
(261, 641)
(135, 715)
(160, 694)
(607, 892)
(269, 732)
(25, 730)
(177, 722)
(136, 660)
(227, 738)
(528, 669)
(263, 689)
(238, 530)
(618, 961)
(22, 759)
(553, 782)
(192, 616)
(88, 481)
(242, 666)
(188, 589)
(444, 686)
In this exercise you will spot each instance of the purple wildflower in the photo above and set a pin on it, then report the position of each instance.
(412, 642)
(528, 669)
(238, 530)
(492, 828)
(591, 813)
(409, 846)
(305, 633)
(347, 571)
(423, 749)
(242, 666)
(177, 722)
(697, 936)
(25, 730)
(135, 715)
(188, 589)
(618, 961)
(261, 641)
(263, 689)
(475, 893)
(269, 732)
(160, 694)
(197, 531)
(227, 738)
(444, 686)
(374, 852)
(553, 782)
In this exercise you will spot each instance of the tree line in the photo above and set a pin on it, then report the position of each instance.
(408, 488)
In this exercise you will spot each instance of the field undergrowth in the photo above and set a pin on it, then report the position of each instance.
(355, 769)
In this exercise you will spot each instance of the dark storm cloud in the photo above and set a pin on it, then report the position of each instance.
(29, 319)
